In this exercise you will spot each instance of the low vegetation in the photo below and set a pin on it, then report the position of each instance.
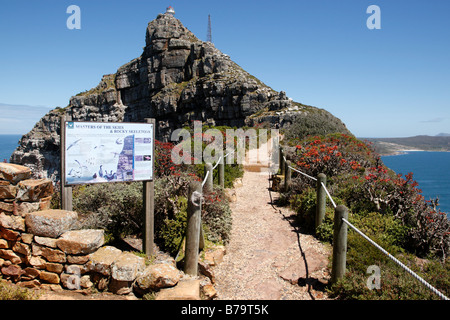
(12, 292)
(389, 208)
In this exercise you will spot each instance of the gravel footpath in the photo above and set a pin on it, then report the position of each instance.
(267, 258)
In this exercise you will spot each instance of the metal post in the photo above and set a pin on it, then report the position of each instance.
(209, 180)
(149, 204)
(321, 199)
(193, 228)
(66, 192)
(339, 243)
(287, 178)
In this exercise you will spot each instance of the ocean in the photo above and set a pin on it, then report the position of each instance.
(8, 143)
(431, 170)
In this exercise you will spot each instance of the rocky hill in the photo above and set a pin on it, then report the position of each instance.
(388, 146)
(176, 80)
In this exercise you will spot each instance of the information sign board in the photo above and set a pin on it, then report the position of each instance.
(99, 152)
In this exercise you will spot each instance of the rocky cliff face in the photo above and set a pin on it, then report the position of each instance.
(176, 80)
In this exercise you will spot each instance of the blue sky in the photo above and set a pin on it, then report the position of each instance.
(390, 82)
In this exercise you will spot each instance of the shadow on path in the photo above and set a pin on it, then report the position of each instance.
(307, 281)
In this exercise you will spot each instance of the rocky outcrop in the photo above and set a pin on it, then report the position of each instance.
(176, 80)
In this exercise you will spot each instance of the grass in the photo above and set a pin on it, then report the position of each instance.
(12, 292)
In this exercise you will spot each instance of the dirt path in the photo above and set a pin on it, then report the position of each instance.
(267, 257)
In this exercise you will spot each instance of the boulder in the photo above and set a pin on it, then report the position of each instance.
(7, 207)
(185, 290)
(7, 190)
(213, 256)
(4, 244)
(21, 248)
(12, 222)
(124, 271)
(10, 255)
(81, 241)
(32, 190)
(22, 208)
(101, 260)
(31, 273)
(37, 262)
(127, 267)
(13, 172)
(49, 277)
(12, 271)
(9, 234)
(52, 255)
(50, 223)
(158, 276)
(45, 241)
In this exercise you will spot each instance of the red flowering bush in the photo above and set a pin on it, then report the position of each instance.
(358, 178)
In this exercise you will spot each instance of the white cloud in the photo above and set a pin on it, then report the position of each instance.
(19, 119)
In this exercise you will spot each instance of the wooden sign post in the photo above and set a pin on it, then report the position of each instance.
(149, 205)
(66, 191)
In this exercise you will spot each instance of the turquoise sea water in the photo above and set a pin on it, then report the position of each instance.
(431, 170)
(8, 143)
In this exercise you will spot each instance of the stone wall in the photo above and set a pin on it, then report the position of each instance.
(39, 249)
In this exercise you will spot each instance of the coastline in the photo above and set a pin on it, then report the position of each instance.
(406, 151)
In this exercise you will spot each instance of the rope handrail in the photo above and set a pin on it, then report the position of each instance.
(218, 162)
(206, 178)
(328, 194)
(306, 175)
(420, 279)
(415, 275)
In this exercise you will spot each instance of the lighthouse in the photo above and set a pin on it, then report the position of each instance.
(170, 11)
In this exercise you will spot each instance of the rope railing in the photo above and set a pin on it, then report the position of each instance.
(339, 241)
(415, 275)
(328, 194)
(206, 178)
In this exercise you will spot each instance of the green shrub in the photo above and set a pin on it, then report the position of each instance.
(395, 282)
(216, 216)
(118, 209)
(315, 123)
(13, 292)
(304, 205)
(173, 230)
(325, 231)
(115, 207)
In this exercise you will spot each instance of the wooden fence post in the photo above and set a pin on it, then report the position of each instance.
(222, 173)
(283, 172)
(193, 228)
(339, 244)
(287, 178)
(209, 180)
(321, 199)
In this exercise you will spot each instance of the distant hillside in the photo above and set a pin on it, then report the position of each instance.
(386, 146)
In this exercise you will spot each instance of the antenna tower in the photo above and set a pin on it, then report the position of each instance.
(209, 35)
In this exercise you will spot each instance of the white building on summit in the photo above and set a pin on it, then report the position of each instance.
(170, 11)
